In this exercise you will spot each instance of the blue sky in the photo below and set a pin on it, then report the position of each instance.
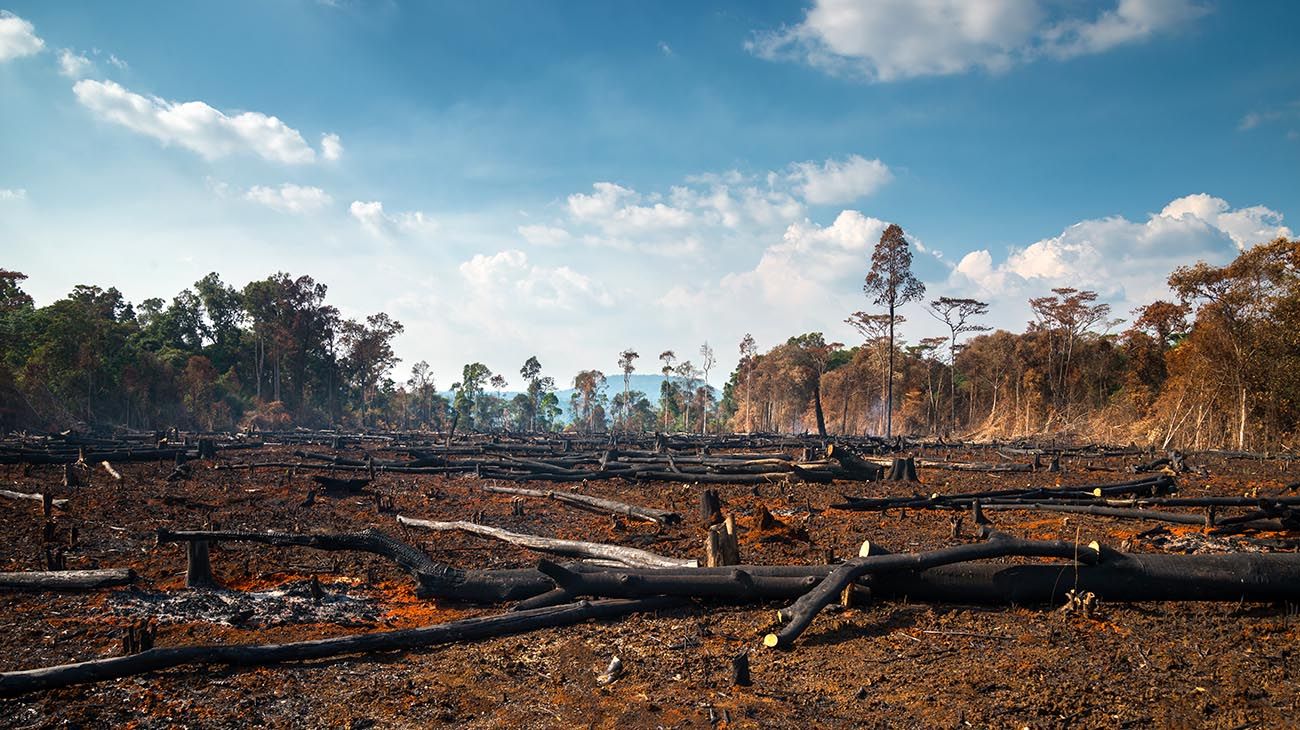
(569, 179)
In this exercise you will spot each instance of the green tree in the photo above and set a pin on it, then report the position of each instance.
(626, 363)
(368, 354)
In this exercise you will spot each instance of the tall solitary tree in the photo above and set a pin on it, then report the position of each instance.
(892, 285)
(667, 391)
(707, 360)
(957, 314)
(627, 363)
(748, 349)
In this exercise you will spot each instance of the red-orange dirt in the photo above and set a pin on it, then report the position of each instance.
(889, 665)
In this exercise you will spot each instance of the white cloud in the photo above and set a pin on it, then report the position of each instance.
(377, 222)
(543, 235)
(74, 65)
(888, 40)
(489, 277)
(808, 278)
(840, 182)
(1124, 260)
(1286, 112)
(195, 125)
(800, 269)
(118, 62)
(331, 148)
(730, 205)
(1245, 226)
(1131, 21)
(13, 194)
(665, 49)
(17, 37)
(290, 198)
(617, 210)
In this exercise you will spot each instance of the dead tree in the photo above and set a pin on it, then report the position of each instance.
(98, 670)
(66, 580)
(629, 556)
(799, 615)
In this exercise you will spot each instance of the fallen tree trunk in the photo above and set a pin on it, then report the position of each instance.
(97, 670)
(37, 497)
(1179, 518)
(434, 580)
(593, 504)
(632, 557)
(1118, 578)
(733, 583)
(799, 615)
(66, 580)
(1146, 486)
(976, 466)
(705, 478)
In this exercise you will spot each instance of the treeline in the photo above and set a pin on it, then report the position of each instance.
(1217, 367)
(274, 354)
(271, 354)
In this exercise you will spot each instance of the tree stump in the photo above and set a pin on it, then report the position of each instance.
(198, 567)
(720, 546)
(710, 507)
(740, 670)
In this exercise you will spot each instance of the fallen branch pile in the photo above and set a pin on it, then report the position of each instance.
(949, 574)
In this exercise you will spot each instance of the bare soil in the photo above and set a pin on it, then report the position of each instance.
(889, 664)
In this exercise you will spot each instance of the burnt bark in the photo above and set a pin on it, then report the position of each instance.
(97, 670)
(594, 504)
(66, 580)
(801, 613)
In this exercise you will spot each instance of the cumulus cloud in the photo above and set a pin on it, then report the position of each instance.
(709, 206)
(375, 220)
(331, 147)
(1123, 259)
(807, 278)
(290, 198)
(618, 210)
(837, 181)
(17, 37)
(13, 194)
(74, 65)
(196, 126)
(1245, 226)
(508, 277)
(888, 40)
(798, 270)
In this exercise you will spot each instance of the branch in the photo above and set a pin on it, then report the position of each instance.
(629, 556)
(97, 670)
(801, 613)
